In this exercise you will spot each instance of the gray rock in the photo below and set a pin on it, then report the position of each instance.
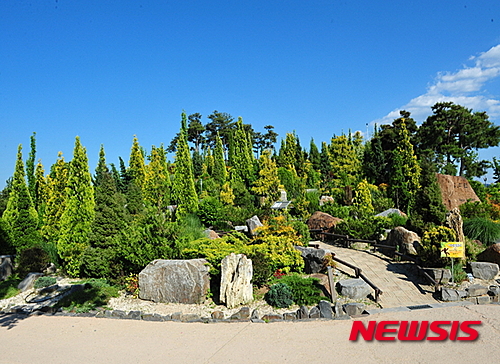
(6, 267)
(190, 317)
(354, 288)
(407, 241)
(217, 315)
(494, 291)
(484, 270)
(483, 300)
(258, 321)
(392, 211)
(255, 314)
(119, 314)
(134, 315)
(440, 275)
(325, 309)
(289, 316)
(51, 269)
(313, 258)
(448, 294)
(315, 312)
(29, 281)
(454, 221)
(236, 280)
(242, 314)
(354, 309)
(151, 317)
(176, 316)
(339, 310)
(270, 317)
(477, 290)
(303, 313)
(253, 223)
(181, 281)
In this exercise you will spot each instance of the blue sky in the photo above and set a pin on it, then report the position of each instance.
(109, 70)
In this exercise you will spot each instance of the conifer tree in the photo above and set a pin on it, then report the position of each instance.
(314, 156)
(184, 192)
(102, 168)
(362, 202)
(78, 215)
(137, 169)
(267, 184)
(56, 200)
(240, 153)
(157, 180)
(374, 162)
(344, 161)
(20, 215)
(219, 171)
(30, 166)
(41, 191)
(405, 175)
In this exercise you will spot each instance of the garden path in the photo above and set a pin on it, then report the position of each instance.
(399, 281)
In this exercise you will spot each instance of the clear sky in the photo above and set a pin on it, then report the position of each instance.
(108, 70)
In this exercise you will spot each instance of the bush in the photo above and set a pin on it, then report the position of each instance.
(262, 268)
(342, 212)
(280, 295)
(458, 272)
(369, 228)
(44, 282)
(8, 288)
(431, 245)
(305, 290)
(97, 293)
(482, 229)
(32, 260)
(471, 209)
(472, 249)
(209, 211)
(396, 220)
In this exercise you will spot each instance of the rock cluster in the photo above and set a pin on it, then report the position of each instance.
(475, 293)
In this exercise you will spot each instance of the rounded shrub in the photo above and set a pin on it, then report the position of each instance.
(280, 295)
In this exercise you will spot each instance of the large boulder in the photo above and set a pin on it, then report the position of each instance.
(491, 254)
(454, 221)
(181, 281)
(388, 212)
(484, 270)
(408, 241)
(355, 288)
(313, 258)
(455, 190)
(28, 282)
(322, 221)
(6, 267)
(236, 280)
(252, 224)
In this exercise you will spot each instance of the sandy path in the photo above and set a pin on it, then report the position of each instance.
(46, 339)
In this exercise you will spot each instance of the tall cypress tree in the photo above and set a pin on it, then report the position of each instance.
(30, 166)
(136, 165)
(240, 153)
(20, 215)
(78, 215)
(41, 191)
(56, 200)
(219, 172)
(267, 184)
(314, 156)
(184, 192)
(156, 189)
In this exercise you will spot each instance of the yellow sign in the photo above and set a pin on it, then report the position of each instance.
(454, 249)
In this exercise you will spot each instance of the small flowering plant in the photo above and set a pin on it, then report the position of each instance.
(278, 274)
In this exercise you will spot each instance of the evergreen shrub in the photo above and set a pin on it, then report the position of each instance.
(97, 293)
(431, 245)
(44, 281)
(280, 295)
(305, 290)
(32, 260)
(482, 229)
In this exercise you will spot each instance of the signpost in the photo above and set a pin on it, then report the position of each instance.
(453, 249)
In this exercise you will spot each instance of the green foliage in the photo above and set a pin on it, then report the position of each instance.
(6, 247)
(472, 249)
(78, 215)
(267, 185)
(482, 229)
(458, 272)
(97, 293)
(431, 245)
(8, 288)
(32, 260)
(369, 228)
(479, 189)
(305, 290)
(362, 203)
(44, 281)
(476, 209)
(132, 285)
(262, 268)
(336, 210)
(312, 197)
(280, 295)
(396, 220)
(210, 211)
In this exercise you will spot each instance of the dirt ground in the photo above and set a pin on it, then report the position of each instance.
(52, 339)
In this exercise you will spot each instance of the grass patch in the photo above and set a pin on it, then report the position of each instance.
(97, 293)
(8, 288)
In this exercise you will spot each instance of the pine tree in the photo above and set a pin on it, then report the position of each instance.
(56, 200)
(20, 215)
(41, 192)
(78, 215)
(344, 161)
(102, 168)
(362, 201)
(268, 184)
(314, 156)
(184, 191)
(374, 162)
(240, 154)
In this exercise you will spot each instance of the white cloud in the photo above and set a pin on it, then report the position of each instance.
(465, 87)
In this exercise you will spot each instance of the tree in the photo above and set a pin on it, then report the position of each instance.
(78, 215)
(345, 164)
(267, 184)
(20, 215)
(41, 191)
(374, 161)
(137, 169)
(405, 180)
(314, 156)
(362, 201)
(195, 131)
(221, 125)
(184, 191)
(157, 183)
(454, 134)
(240, 154)
(30, 166)
(56, 200)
